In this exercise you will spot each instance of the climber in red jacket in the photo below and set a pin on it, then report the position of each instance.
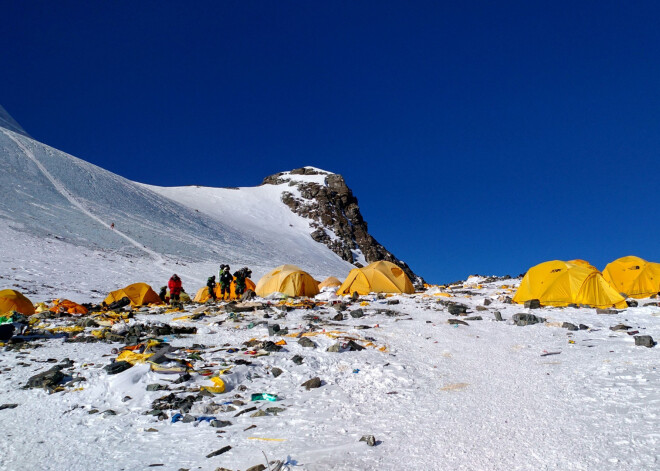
(175, 288)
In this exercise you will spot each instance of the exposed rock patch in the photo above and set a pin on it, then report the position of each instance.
(335, 217)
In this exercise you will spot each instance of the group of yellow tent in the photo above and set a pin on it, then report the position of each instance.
(378, 277)
(559, 283)
(553, 283)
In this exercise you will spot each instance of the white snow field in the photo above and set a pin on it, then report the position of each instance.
(440, 396)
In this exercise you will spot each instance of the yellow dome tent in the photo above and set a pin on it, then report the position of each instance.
(139, 294)
(289, 280)
(559, 283)
(634, 276)
(202, 294)
(583, 263)
(12, 300)
(377, 277)
(331, 282)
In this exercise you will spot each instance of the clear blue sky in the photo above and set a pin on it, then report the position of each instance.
(479, 137)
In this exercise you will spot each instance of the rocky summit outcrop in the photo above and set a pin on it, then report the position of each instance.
(334, 214)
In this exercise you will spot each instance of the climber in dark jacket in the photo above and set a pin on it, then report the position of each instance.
(210, 283)
(241, 275)
(225, 281)
(163, 294)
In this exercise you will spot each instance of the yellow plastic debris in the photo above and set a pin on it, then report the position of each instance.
(364, 303)
(268, 439)
(444, 295)
(40, 307)
(218, 388)
(71, 329)
(132, 357)
(182, 318)
(280, 342)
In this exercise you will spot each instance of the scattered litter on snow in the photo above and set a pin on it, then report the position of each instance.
(225, 370)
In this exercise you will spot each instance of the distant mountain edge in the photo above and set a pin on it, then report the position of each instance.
(7, 122)
(334, 216)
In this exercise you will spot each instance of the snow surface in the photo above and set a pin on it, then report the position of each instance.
(441, 397)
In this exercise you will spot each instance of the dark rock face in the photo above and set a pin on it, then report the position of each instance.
(333, 206)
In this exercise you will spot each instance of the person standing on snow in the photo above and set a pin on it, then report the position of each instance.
(225, 281)
(241, 275)
(163, 294)
(175, 288)
(210, 283)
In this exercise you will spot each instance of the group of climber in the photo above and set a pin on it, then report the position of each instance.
(225, 279)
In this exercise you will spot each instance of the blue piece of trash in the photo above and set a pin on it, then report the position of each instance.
(176, 417)
(356, 370)
(207, 418)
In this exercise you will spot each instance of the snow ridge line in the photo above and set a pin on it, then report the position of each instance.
(72, 199)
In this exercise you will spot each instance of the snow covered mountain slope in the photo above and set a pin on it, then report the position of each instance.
(56, 227)
(256, 212)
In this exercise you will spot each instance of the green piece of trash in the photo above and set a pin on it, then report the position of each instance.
(264, 397)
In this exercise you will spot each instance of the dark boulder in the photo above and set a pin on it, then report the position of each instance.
(533, 304)
(48, 380)
(312, 383)
(526, 319)
(645, 341)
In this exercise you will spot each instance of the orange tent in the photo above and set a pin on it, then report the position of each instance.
(64, 305)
